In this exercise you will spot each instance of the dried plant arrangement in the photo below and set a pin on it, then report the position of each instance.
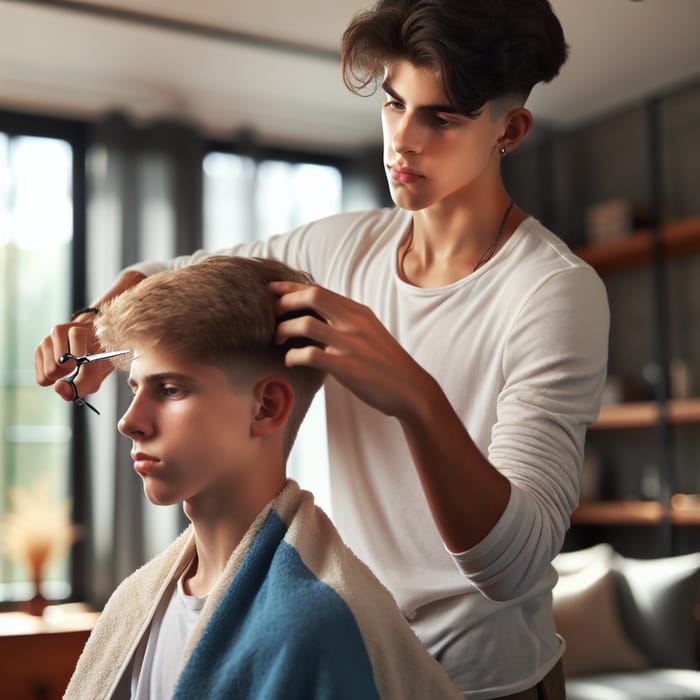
(37, 530)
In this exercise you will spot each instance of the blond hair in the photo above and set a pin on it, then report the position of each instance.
(218, 312)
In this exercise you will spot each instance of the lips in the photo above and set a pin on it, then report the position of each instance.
(143, 463)
(402, 175)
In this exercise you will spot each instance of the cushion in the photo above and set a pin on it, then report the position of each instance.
(654, 684)
(657, 599)
(585, 615)
(572, 562)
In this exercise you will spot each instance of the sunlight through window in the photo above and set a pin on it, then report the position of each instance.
(36, 230)
(246, 201)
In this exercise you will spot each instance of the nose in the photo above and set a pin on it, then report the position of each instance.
(136, 423)
(406, 135)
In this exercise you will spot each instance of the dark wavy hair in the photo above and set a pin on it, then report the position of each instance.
(480, 49)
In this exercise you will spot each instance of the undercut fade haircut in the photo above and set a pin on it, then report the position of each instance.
(218, 312)
(481, 50)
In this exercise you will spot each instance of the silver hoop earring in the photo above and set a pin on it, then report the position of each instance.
(502, 151)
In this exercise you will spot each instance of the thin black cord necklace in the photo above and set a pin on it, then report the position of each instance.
(489, 252)
(487, 255)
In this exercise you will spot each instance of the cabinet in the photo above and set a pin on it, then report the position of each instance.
(37, 656)
(664, 416)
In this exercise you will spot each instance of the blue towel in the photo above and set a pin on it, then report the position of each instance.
(295, 615)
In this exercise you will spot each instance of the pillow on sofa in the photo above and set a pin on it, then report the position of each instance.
(577, 560)
(656, 602)
(585, 615)
(652, 684)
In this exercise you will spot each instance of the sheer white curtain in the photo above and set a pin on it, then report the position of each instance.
(36, 238)
(246, 201)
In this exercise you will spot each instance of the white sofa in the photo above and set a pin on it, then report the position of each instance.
(631, 625)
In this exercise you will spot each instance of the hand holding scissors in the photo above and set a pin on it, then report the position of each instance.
(79, 362)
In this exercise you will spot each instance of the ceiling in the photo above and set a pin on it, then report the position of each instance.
(271, 67)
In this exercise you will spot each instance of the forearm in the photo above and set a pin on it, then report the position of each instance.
(466, 494)
(502, 526)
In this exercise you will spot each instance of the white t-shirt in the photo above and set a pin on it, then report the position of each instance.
(157, 664)
(520, 349)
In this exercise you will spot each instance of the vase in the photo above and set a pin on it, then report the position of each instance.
(37, 603)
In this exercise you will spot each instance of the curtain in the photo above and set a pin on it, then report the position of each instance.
(144, 201)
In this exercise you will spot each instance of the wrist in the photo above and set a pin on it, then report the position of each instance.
(424, 401)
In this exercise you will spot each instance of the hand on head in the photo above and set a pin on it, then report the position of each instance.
(351, 344)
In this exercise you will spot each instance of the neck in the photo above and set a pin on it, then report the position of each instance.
(493, 247)
(445, 246)
(219, 529)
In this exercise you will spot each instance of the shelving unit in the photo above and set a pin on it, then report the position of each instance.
(646, 414)
(619, 513)
(638, 248)
(635, 513)
(641, 248)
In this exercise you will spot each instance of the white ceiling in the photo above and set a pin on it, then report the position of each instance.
(82, 58)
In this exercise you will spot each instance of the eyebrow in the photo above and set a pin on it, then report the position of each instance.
(162, 377)
(446, 108)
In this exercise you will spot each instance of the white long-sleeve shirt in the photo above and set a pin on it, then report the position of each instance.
(519, 347)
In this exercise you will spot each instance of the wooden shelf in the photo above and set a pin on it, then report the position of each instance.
(676, 238)
(685, 517)
(646, 414)
(685, 510)
(631, 251)
(618, 513)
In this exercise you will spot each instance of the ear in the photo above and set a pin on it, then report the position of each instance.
(275, 398)
(518, 123)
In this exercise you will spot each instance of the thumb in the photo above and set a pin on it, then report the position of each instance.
(89, 380)
(63, 390)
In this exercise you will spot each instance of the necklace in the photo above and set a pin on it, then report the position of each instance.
(488, 253)
(486, 256)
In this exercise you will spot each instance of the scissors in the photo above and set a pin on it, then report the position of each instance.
(79, 362)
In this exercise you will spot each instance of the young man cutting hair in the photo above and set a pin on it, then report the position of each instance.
(466, 345)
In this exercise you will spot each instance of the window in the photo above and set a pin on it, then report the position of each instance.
(245, 200)
(43, 275)
(36, 234)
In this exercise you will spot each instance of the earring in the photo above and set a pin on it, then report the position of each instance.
(502, 151)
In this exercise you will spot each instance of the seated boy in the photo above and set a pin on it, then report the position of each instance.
(258, 598)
